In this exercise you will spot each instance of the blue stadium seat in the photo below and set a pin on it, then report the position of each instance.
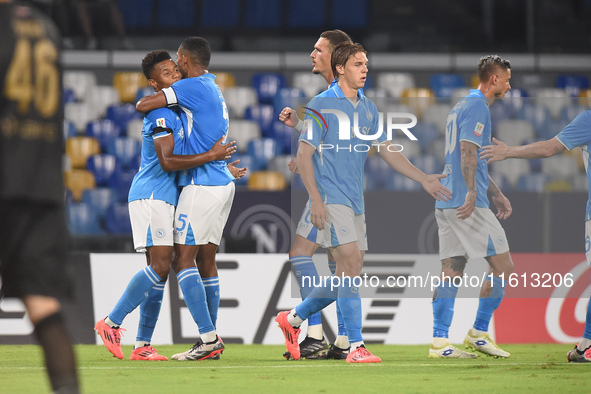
(401, 183)
(300, 17)
(121, 114)
(117, 218)
(83, 219)
(136, 13)
(288, 97)
(262, 150)
(220, 13)
(69, 96)
(176, 14)
(120, 183)
(126, 150)
(285, 136)
(513, 101)
(69, 130)
(103, 130)
(377, 173)
(349, 14)
(429, 164)
(99, 199)
(143, 92)
(443, 85)
(538, 116)
(535, 182)
(267, 85)
(567, 114)
(262, 114)
(263, 14)
(425, 133)
(102, 167)
(573, 84)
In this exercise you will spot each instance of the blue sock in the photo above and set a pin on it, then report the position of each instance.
(332, 266)
(486, 306)
(135, 293)
(349, 302)
(307, 275)
(194, 293)
(318, 299)
(443, 309)
(149, 312)
(587, 333)
(212, 293)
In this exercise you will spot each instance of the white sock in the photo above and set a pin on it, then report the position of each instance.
(110, 323)
(355, 345)
(440, 342)
(315, 331)
(584, 343)
(139, 344)
(477, 333)
(208, 337)
(293, 319)
(342, 341)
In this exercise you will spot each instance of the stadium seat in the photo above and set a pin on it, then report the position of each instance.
(429, 164)
(143, 92)
(513, 101)
(99, 199)
(103, 130)
(585, 97)
(457, 94)
(395, 83)
(529, 82)
(538, 116)
(444, 84)
(515, 132)
(399, 182)
(243, 131)
(81, 82)
(126, 150)
(410, 148)
(77, 181)
(127, 84)
(310, 84)
(79, 114)
(437, 115)
(573, 84)
(379, 96)
(220, 13)
(535, 182)
(267, 85)
(83, 219)
(498, 112)
(117, 218)
(69, 130)
(122, 114)
(79, 149)
(69, 96)
(554, 99)
(135, 129)
(418, 99)
(281, 164)
(288, 97)
(559, 186)
(572, 111)
(100, 98)
(262, 150)
(349, 14)
(285, 136)
(300, 17)
(66, 163)
(377, 172)
(120, 182)
(102, 167)
(512, 170)
(224, 80)
(262, 114)
(267, 181)
(238, 99)
(426, 133)
(560, 167)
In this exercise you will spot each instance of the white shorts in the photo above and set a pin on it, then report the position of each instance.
(588, 241)
(481, 235)
(151, 223)
(343, 227)
(201, 214)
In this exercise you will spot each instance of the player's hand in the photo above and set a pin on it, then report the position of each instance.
(466, 210)
(432, 186)
(503, 205)
(293, 166)
(223, 152)
(289, 116)
(496, 152)
(237, 173)
(318, 215)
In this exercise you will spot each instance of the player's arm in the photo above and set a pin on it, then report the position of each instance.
(149, 103)
(164, 145)
(498, 198)
(289, 116)
(536, 150)
(469, 164)
(400, 163)
(318, 213)
(236, 172)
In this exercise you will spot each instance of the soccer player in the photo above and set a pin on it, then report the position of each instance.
(153, 196)
(314, 346)
(33, 250)
(207, 191)
(467, 226)
(332, 172)
(577, 133)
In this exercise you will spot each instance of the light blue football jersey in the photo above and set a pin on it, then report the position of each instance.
(207, 121)
(469, 121)
(578, 133)
(151, 181)
(339, 163)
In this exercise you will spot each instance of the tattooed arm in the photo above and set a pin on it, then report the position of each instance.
(469, 163)
(498, 198)
(536, 150)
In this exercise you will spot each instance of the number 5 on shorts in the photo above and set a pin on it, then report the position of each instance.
(181, 219)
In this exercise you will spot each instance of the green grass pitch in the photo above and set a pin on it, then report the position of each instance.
(261, 369)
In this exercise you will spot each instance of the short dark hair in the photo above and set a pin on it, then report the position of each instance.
(342, 53)
(335, 37)
(152, 59)
(198, 50)
(488, 65)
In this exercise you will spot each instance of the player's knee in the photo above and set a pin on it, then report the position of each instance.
(453, 266)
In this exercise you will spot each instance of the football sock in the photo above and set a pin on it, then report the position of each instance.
(209, 337)
(318, 299)
(350, 303)
(440, 342)
(342, 341)
(293, 319)
(194, 294)
(342, 330)
(139, 344)
(149, 312)
(443, 309)
(134, 294)
(487, 305)
(315, 331)
(110, 323)
(59, 356)
(212, 293)
(307, 276)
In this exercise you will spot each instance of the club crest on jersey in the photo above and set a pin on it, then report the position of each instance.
(478, 129)
(160, 122)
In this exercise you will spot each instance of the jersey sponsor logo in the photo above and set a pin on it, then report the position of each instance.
(160, 122)
(478, 129)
